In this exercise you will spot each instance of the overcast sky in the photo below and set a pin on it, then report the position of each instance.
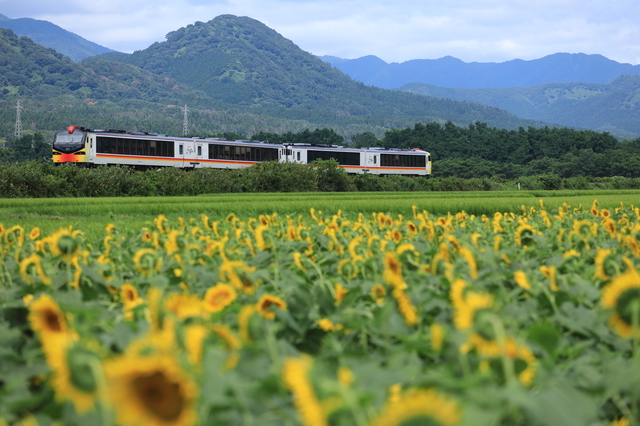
(393, 30)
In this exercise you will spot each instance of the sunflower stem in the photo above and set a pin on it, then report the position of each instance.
(105, 411)
(551, 298)
(507, 364)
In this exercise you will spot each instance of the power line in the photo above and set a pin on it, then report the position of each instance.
(18, 132)
(185, 123)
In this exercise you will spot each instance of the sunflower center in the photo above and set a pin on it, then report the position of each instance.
(160, 396)
(220, 298)
(52, 320)
(626, 303)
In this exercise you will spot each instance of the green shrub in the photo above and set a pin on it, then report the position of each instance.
(272, 176)
(367, 183)
(332, 177)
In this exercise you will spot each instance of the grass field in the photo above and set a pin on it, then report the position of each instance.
(93, 214)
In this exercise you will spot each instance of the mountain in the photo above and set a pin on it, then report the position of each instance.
(240, 61)
(613, 107)
(51, 35)
(451, 72)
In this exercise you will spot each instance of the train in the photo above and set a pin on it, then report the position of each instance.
(144, 150)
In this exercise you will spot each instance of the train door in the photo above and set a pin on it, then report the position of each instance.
(187, 153)
(286, 154)
(371, 161)
(298, 156)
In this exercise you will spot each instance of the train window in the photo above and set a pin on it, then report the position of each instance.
(399, 160)
(199, 150)
(180, 149)
(375, 159)
(298, 156)
(343, 158)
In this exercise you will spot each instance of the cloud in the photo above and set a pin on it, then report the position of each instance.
(480, 30)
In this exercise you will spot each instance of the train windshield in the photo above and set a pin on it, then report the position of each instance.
(69, 142)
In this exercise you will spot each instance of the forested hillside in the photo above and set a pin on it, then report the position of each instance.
(612, 107)
(241, 61)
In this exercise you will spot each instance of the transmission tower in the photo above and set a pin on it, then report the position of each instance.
(185, 123)
(18, 132)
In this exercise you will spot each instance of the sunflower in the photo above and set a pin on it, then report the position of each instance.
(74, 376)
(260, 240)
(194, 336)
(550, 273)
(622, 295)
(183, 305)
(151, 390)
(523, 359)
(224, 332)
(420, 406)
(524, 235)
(584, 229)
(405, 307)
(160, 222)
(297, 261)
(218, 297)
(296, 374)
(26, 272)
(130, 299)
(609, 225)
(521, 279)
(235, 272)
(35, 233)
(378, 293)
(437, 336)
(46, 318)
(14, 236)
(468, 256)
(393, 271)
(341, 292)
(469, 308)
(266, 304)
(456, 294)
(605, 265)
(147, 261)
(66, 244)
(412, 228)
(244, 317)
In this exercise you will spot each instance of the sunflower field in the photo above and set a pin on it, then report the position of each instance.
(326, 318)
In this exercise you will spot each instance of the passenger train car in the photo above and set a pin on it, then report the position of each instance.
(143, 150)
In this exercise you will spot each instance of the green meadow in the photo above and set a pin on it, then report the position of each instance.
(93, 214)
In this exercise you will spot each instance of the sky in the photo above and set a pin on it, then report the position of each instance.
(393, 30)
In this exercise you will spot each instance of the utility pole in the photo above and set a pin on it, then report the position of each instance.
(18, 132)
(185, 123)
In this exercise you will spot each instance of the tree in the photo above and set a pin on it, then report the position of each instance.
(29, 147)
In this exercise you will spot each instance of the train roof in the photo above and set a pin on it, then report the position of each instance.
(124, 133)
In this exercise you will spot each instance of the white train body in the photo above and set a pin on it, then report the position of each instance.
(148, 150)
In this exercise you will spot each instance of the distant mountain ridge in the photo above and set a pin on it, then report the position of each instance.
(50, 35)
(452, 72)
(607, 107)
